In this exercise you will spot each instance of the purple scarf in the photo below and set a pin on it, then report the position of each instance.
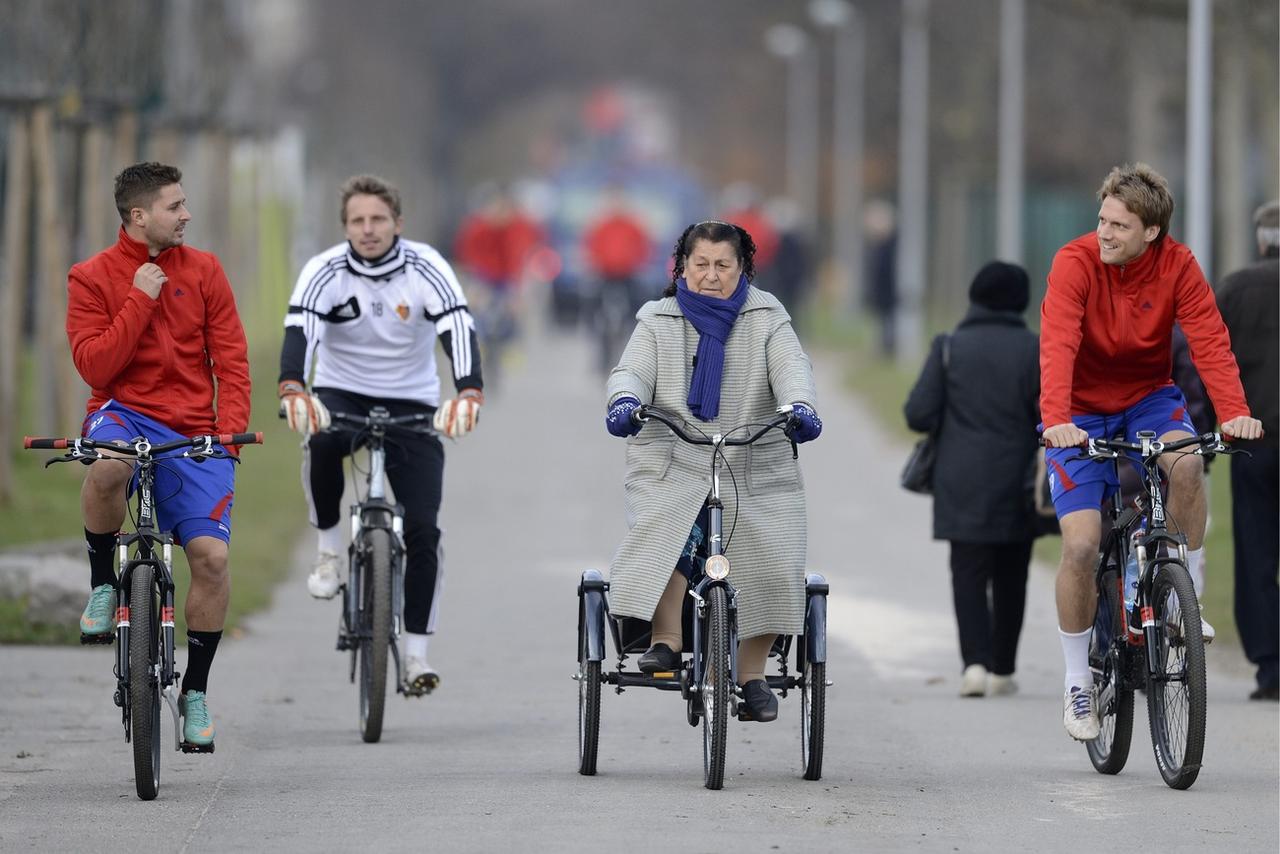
(713, 318)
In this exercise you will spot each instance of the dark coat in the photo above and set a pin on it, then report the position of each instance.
(1249, 300)
(989, 411)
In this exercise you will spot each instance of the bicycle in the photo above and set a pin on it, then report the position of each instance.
(1155, 643)
(708, 682)
(373, 595)
(144, 666)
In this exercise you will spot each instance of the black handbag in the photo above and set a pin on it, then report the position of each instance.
(917, 474)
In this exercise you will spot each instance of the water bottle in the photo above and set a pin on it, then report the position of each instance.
(1131, 579)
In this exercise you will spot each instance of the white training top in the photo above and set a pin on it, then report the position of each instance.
(371, 327)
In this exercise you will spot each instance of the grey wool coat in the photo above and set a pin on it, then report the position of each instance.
(668, 480)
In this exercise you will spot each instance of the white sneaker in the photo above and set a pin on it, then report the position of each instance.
(1206, 631)
(323, 582)
(419, 677)
(974, 681)
(999, 686)
(1080, 713)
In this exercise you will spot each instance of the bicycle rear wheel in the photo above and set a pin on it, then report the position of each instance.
(716, 689)
(144, 680)
(588, 703)
(1110, 750)
(1176, 689)
(813, 714)
(375, 634)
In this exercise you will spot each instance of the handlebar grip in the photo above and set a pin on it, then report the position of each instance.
(240, 439)
(41, 444)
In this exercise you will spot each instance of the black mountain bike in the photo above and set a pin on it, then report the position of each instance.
(708, 681)
(373, 595)
(144, 667)
(1156, 643)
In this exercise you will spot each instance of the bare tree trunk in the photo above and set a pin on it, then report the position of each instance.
(124, 143)
(95, 195)
(60, 386)
(17, 233)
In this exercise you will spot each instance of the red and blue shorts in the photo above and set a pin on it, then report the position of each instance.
(1082, 484)
(192, 499)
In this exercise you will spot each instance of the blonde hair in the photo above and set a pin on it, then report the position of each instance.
(1144, 191)
(369, 185)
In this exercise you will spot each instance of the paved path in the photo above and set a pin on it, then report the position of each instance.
(488, 762)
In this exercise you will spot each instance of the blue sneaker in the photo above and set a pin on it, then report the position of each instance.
(197, 723)
(97, 623)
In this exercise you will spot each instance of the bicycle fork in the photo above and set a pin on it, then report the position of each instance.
(165, 673)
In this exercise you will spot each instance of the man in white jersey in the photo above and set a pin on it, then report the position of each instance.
(365, 316)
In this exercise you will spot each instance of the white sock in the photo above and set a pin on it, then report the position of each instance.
(330, 539)
(1075, 652)
(415, 646)
(1195, 566)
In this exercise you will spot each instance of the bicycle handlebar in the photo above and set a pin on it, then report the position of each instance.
(417, 422)
(645, 412)
(1106, 449)
(79, 445)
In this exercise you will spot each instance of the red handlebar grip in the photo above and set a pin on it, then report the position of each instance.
(32, 442)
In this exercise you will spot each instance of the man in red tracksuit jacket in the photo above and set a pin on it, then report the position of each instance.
(152, 325)
(1105, 363)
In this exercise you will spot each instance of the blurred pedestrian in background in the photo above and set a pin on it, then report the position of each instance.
(1249, 300)
(881, 290)
(980, 389)
(494, 246)
(616, 245)
(789, 276)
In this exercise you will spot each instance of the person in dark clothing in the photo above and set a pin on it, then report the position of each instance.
(984, 403)
(1249, 300)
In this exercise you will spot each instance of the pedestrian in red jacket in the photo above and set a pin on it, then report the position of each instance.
(154, 332)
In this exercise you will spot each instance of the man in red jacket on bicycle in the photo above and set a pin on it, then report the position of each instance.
(152, 325)
(1105, 361)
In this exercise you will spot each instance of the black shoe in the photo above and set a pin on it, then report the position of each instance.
(1270, 692)
(659, 658)
(758, 701)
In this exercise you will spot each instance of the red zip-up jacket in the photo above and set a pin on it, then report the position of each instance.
(1106, 331)
(160, 357)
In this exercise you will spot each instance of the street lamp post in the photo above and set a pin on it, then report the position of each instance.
(789, 43)
(913, 166)
(847, 239)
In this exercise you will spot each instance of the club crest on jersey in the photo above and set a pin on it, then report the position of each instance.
(403, 311)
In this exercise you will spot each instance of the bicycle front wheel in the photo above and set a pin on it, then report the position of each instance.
(144, 680)
(716, 688)
(1176, 685)
(588, 704)
(1110, 750)
(375, 631)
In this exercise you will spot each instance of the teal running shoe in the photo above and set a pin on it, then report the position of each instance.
(97, 623)
(197, 723)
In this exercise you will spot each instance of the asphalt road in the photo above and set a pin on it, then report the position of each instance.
(488, 762)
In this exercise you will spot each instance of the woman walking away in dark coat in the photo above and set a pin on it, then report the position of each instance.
(985, 404)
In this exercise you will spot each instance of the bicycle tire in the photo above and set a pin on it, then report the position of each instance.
(375, 638)
(1110, 750)
(813, 718)
(144, 684)
(588, 706)
(1176, 706)
(716, 689)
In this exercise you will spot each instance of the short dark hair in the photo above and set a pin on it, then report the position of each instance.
(138, 185)
(369, 185)
(717, 232)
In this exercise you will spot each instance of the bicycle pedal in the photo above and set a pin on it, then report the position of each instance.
(422, 686)
(105, 639)
(188, 747)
